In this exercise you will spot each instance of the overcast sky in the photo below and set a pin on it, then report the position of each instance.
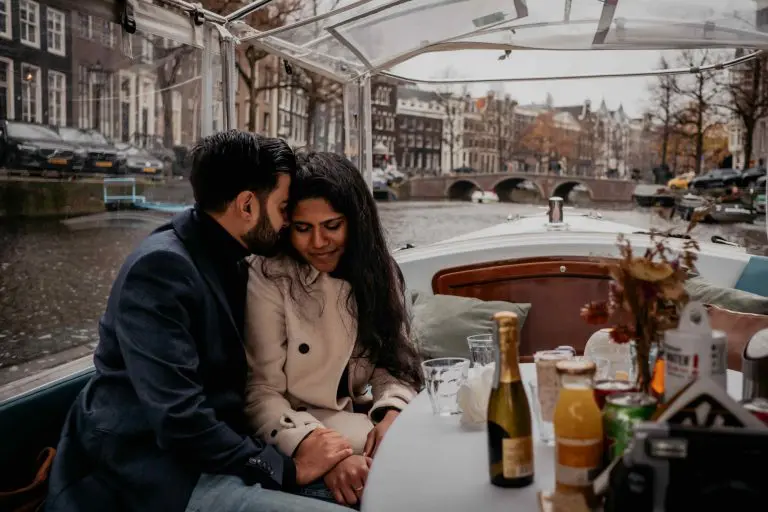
(633, 93)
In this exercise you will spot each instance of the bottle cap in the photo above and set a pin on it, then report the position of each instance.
(576, 367)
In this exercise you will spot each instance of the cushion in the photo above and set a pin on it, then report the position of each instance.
(441, 323)
(728, 298)
(739, 329)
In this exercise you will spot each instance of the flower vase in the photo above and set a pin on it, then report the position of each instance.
(637, 370)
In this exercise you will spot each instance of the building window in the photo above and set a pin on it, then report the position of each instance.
(29, 22)
(6, 89)
(86, 26)
(5, 19)
(57, 98)
(147, 51)
(107, 34)
(31, 94)
(56, 31)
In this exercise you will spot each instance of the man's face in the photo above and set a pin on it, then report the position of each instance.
(263, 235)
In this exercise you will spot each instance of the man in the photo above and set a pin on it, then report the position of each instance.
(161, 427)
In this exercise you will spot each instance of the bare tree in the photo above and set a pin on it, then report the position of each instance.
(453, 105)
(746, 98)
(318, 89)
(276, 14)
(663, 98)
(701, 97)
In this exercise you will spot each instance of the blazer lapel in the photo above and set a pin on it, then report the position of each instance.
(184, 228)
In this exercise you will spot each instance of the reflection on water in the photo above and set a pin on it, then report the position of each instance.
(54, 281)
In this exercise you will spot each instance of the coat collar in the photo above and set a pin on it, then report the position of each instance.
(186, 228)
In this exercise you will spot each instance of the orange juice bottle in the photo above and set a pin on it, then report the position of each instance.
(578, 429)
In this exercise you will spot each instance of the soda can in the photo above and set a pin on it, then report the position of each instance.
(694, 350)
(606, 387)
(621, 413)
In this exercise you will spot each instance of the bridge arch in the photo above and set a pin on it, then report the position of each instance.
(505, 186)
(462, 189)
(564, 189)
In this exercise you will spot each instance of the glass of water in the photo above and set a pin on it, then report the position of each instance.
(482, 349)
(443, 378)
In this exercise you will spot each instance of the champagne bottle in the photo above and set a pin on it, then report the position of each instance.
(510, 441)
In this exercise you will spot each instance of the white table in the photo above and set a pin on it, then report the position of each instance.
(431, 463)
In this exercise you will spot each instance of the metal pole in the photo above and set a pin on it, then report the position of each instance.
(365, 145)
(206, 83)
(246, 10)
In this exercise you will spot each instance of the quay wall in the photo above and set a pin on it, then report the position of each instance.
(42, 197)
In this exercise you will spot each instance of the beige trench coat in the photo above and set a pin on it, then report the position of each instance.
(297, 351)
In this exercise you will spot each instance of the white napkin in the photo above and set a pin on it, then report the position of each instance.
(473, 396)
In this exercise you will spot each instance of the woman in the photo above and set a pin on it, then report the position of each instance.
(327, 328)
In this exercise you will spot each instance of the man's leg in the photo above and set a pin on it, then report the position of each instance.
(225, 493)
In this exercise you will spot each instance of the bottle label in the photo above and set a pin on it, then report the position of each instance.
(578, 461)
(517, 456)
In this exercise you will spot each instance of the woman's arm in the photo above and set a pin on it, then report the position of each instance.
(269, 412)
(388, 393)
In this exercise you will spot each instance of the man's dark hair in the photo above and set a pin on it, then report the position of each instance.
(228, 163)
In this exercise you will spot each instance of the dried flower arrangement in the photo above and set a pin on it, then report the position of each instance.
(647, 293)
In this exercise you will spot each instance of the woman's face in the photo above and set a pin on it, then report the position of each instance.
(318, 233)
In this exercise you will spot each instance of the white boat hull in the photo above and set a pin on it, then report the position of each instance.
(530, 237)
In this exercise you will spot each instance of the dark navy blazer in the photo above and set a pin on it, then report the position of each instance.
(166, 403)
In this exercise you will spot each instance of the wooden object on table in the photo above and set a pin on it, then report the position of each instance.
(556, 287)
(553, 501)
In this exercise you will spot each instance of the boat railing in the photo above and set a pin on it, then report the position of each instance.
(132, 198)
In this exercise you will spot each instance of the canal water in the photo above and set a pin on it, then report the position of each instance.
(54, 281)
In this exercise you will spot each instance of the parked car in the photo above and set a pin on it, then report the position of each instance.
(34, 147)
(748, 177)
(716, 178)
(101, 156)
(136, 160)
(681, 181)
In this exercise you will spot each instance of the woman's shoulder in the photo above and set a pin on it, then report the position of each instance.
(276, 268)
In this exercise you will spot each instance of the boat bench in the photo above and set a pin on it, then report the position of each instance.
(33, 421)
(556, 287)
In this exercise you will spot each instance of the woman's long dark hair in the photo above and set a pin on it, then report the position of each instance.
(376, 285)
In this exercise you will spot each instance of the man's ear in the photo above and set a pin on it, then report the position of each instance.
(246, 204)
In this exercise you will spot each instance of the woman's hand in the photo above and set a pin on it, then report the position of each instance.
(377, 433)
(347, 480)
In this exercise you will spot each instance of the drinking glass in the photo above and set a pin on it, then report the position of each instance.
(546, 389)
(482, 349)
(443, 378)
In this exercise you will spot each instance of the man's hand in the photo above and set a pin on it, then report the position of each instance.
(347, 480)
(318, 453)
(377, 433)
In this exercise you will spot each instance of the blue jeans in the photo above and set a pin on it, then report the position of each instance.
(319, 491)
(225, 493)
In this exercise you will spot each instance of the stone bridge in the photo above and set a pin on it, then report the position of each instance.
(461, 186)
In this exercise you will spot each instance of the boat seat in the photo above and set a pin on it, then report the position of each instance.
(33, 421)
(556, 287)
(754, 277)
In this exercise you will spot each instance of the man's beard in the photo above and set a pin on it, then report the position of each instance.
(262, 239)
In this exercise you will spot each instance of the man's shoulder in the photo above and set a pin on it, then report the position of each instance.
(159, 250)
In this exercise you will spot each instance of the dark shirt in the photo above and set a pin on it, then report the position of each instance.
(228, 256)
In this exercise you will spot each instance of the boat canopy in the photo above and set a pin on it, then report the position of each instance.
(399, 37)
(443, 41)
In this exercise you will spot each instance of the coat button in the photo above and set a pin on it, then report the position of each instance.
(303, 348)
